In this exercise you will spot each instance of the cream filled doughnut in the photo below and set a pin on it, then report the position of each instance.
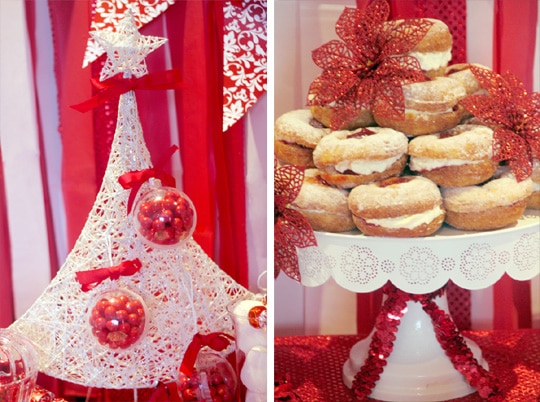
(430, 107)
(493, 205)
(406, 206)
(324, 114)
(534, 200)
(462, 73)
(324, 206)
(296, 133)
(349, 158)
(461, 156)
(434, 50)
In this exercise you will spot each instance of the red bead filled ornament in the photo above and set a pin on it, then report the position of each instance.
(213, 380)
(118, 318)
(164, 217)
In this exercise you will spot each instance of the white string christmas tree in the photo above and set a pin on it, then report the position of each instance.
(182, 290)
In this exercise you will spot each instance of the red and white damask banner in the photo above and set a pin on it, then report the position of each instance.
(244, 57)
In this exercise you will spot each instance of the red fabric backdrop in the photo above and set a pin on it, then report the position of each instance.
(6, 293)
(513, 50)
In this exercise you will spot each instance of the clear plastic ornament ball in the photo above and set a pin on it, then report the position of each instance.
(117, 318)
(213, 380)
(164, 217)
(18, 367)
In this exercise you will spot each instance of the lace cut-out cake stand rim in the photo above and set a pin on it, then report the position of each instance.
(473, 260)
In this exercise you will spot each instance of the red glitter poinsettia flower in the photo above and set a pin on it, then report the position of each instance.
(368, 66)
(515, 115)
(291, 228)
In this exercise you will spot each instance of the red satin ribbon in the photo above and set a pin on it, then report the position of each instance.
(117, 85)
(134, 180)
(217, 341)
(90, 279)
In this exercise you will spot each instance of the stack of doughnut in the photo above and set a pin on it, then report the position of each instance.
(406, 177)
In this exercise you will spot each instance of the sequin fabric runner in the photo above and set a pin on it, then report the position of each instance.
(313, 364)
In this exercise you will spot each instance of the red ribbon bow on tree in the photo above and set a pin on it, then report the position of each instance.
(90, 279)
(291, 228)
(217, 341)
(117, 85)
(367, 69)
(134, 180)
(514, 112)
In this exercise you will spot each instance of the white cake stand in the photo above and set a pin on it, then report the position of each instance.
(418, 368)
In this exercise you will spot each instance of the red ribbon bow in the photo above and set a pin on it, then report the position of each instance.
(117, 85)
(134, 180)
(217, 341)
(90, 279)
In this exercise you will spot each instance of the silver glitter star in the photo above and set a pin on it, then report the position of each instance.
(126, 49)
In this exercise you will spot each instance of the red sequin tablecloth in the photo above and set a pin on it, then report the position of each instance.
(313, 364)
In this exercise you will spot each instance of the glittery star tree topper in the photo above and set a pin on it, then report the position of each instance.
(126, 48)
(291, 228)
(366, 68)
(121, 312)
(106, 16)
(515, 115)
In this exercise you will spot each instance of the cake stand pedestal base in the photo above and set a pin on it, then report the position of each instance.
(417, 369)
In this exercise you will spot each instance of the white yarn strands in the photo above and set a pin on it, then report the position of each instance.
(183, 290)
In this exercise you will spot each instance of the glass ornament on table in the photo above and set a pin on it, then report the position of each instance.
(18, 367)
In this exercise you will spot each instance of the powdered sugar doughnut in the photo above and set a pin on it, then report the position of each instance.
(324, 114)
(496, 204)
(462, 73)
(349, 158)
(534, 200)
(324, 206)
(406, 206)
(434, 50)
(295, 135)
(461, 156)
(430, 107)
